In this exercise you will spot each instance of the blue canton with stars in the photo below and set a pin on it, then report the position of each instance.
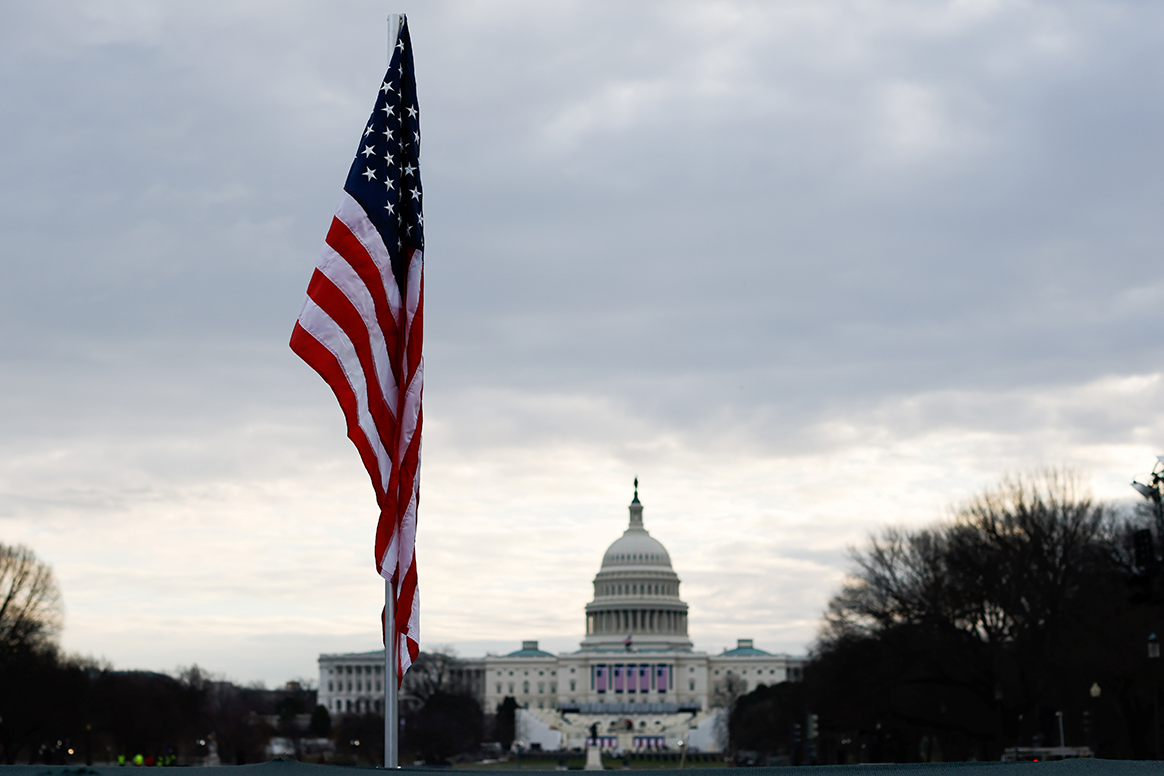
(385, 176)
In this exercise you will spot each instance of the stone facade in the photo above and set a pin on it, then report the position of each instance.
(352, 683)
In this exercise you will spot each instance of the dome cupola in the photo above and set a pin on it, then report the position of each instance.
(636, 602)
(636, 547)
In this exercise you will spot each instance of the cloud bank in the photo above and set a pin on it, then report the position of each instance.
(805, 269)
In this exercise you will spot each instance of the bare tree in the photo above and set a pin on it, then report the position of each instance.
(432, 672)
(724, 695)
(1008, 566)
(727, 691)
(31, 611)
(1016, 603)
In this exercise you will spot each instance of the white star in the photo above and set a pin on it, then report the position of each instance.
(412, 111)
(369, 173)
(391, 210)
(408, 229)
(388, 134)
(368, 131)
(417, 136)
(416, 193)
(420, 219)
(386, 87)
(409, 169)
(388, 183)
(388, 158)
(368, 151)
(400, 45)
(388, 109)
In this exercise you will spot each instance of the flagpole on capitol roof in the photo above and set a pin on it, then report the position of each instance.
(391, 685)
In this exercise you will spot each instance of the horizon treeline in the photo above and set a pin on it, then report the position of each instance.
(59, 710)
(1029, 606)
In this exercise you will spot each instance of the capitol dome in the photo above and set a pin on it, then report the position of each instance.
(636, 595)
(636, 547)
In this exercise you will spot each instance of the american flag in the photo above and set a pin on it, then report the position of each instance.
(362, 322)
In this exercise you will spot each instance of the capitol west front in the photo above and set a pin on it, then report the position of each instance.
(635, 675)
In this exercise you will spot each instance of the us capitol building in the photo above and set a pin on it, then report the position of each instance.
(635, 681)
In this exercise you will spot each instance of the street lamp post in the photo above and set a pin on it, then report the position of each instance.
(1154, 658)
(1152, 492)
(1092, 717)
(998, 708)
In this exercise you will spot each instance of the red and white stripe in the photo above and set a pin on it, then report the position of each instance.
(365, 341)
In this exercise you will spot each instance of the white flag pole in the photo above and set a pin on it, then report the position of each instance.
(391, 643)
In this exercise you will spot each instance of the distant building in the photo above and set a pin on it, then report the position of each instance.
(353, 682)
(636, 680)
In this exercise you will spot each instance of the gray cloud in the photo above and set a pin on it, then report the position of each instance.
(745, 251)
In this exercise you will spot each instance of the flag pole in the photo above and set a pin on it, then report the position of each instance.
(391, 706)
(391, 642)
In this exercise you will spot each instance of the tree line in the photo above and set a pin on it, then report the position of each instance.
(1027, 611)
(58, 709)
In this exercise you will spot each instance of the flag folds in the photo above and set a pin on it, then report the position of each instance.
(361, 326)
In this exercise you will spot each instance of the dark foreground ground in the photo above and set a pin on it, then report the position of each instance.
(1090, 767)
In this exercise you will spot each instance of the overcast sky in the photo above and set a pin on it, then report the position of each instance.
(805, 268)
